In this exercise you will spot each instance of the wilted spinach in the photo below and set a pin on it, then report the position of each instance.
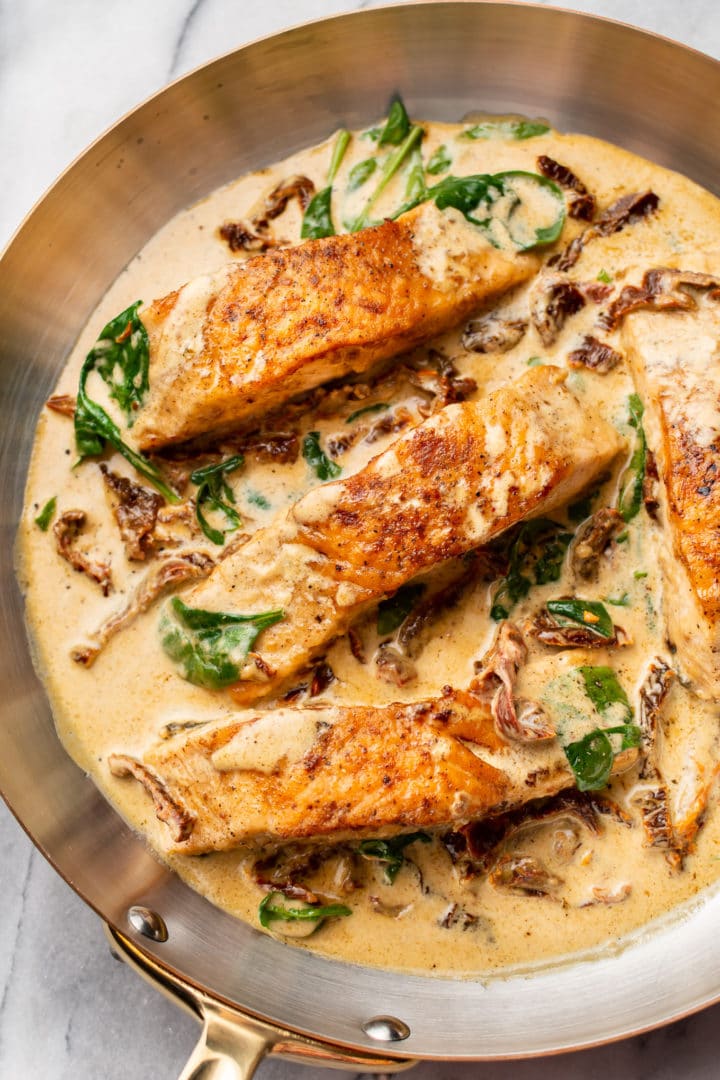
(215, 493)
(211, 646)
(535, 558)
(390, 853)
(317, 459)
(631, 482)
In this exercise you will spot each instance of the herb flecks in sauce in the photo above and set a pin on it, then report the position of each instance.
(211, 646)
(46, 514)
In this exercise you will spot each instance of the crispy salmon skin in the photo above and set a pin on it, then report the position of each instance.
(228, 347)
(443, 488)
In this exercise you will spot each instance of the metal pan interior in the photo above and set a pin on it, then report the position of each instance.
(240, 112)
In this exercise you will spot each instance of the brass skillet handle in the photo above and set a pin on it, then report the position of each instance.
(225, 1050)
(233, 1044)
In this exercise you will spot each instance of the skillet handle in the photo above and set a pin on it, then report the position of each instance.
(233, 1043)
(226, 1050)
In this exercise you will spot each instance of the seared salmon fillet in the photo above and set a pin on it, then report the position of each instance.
(447, 486)
(675, 356)
(336, 771)
(228, 347)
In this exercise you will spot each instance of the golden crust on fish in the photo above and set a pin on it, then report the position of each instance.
(230, 346)
(676, 363)
(333, 772)
(447, 486)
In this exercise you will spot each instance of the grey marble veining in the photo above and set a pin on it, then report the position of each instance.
(67, 1009)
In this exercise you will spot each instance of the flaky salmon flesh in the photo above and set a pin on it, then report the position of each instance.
(231, 346)
(443, 488)
(675, 357)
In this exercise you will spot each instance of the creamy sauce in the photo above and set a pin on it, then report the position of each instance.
(606, 886)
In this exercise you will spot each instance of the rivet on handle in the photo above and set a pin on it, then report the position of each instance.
(147, 922)
(386, 1029)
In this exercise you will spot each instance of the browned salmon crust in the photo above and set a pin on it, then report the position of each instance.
(676, 364)
(447, 486)
(366, 771)
(229, 347)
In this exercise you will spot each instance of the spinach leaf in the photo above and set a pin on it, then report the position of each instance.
(390, 852)
(591, 758)
(46, 514)
(536, 557)
(389, 168)
(379, 406)
(270, 910)
(121, 356)
(631, 482)
(500, 196)
(397, 125)
(361, 173)
(94, 428)
(317, 459)
(416, 187)
(317, 219)
(339, 150)
(440, 161)
(604, 690)
(393, 611)
(211, 646)
(215, 493)
(590, 614)
(506, 129)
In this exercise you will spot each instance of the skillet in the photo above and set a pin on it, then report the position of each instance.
(240, 112)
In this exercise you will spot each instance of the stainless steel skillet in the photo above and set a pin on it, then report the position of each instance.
(240, 112)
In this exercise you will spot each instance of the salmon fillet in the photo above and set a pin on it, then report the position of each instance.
(331, 772)
(443, 488)
(230, 346)
(675, 357)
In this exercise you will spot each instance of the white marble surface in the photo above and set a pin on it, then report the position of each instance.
(67, 71)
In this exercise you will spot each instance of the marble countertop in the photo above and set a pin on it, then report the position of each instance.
(67, 1009)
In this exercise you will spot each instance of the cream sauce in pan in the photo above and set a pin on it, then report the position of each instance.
(428, 921)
